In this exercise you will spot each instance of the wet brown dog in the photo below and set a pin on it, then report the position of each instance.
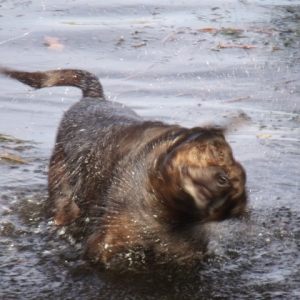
(150, 186)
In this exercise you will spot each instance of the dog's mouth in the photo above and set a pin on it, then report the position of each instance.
(227, 208)
(204, 193)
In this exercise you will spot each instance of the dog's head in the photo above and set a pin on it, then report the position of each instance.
(200, 177)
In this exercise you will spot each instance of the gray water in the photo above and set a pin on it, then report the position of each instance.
(177, 61)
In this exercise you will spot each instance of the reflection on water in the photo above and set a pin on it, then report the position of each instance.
(181, 63)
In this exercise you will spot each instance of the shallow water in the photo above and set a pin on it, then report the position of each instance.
(164, 59)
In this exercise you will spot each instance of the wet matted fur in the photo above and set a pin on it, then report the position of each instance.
(150, 186)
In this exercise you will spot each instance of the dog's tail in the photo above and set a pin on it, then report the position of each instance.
(87, 82)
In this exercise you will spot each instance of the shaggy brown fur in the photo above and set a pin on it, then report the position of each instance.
(151, 186)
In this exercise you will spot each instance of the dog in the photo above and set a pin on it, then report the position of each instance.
(151, 187)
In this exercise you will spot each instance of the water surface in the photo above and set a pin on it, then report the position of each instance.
(175, 61)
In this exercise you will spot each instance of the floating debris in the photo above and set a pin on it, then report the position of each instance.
(71, 23)
(171, 36)
(275, 48)
(6, 138)
(139, 45)
(291, 80)
(120, 41)
(225, 31)
(231, 31)
(235, 31)
(12, 158)
(18, 148)
(53, 43)
(236, 100)
(263, 136)
(247, 47)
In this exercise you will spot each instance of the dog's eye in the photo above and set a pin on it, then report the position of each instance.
(223, 179)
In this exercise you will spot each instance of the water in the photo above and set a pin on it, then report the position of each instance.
(164, 59)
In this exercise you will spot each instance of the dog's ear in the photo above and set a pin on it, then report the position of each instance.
(232, 123)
